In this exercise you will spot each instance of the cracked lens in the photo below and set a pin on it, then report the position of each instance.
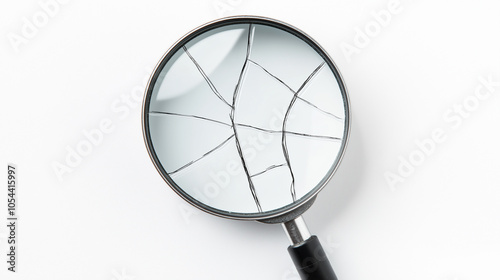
(247, 118)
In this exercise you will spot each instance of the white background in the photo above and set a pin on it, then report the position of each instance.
(113, 218)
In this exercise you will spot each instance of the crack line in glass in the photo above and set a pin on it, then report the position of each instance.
(189, 116)
(293, 91)
(283, 135)
(314, 136)
(269, 168)
(210, 84)
(251, 30)
(206, 154)
(288, 132)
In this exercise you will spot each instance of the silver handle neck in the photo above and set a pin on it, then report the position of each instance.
(296, 230)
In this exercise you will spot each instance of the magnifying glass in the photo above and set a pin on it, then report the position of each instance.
(247, 118)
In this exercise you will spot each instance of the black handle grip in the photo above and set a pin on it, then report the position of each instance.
(311, 261)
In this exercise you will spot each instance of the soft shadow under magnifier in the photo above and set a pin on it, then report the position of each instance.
(248, 118)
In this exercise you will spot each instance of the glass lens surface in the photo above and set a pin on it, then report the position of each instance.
(246, 118)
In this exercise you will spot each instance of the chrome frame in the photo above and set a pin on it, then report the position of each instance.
(237, 20)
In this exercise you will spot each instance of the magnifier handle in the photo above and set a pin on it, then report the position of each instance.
(311, 261)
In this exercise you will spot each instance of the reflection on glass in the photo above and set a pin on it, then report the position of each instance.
(247, 118)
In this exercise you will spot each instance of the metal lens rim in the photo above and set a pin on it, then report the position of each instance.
(220, 23)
